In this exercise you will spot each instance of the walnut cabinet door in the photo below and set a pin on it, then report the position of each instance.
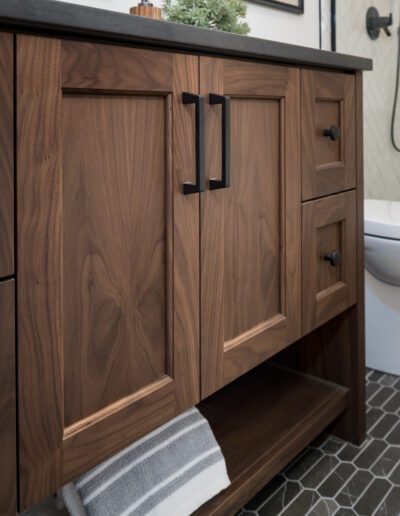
(108, 252)
(250, 217)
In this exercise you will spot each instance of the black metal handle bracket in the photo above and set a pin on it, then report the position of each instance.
(225, 180)
(199, 186)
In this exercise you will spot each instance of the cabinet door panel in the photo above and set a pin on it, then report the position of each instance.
(252, 220)
(250, 231)
(108, 262)
(115, 307)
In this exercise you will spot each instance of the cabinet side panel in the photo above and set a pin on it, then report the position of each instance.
(8, 474)
(6, 156)
(39, 267)
(358, 391)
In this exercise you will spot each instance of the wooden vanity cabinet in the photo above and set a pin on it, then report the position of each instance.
(173, 216)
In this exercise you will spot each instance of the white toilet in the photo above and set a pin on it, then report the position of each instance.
(382, 285)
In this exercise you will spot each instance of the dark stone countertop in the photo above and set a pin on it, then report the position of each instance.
(60, 18)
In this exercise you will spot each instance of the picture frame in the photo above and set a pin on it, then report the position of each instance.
(291, 6)
(327, 25)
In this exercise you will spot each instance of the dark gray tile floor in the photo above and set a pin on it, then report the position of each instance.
(333, 478)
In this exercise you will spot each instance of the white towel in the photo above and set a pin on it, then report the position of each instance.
(173, 470)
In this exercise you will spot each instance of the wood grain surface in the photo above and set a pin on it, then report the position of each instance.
(93, 66)
(250, 232)
(109, 253)
(336, 350)
(40, 311)
(119, 424)
(329, 225)
(6, 155)
(8, 444)
(114, 293)
(258, 435)
(327, 99)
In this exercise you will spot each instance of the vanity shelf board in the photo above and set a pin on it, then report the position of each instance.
(263, 421)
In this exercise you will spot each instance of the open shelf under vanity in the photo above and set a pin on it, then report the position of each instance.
(264, 420)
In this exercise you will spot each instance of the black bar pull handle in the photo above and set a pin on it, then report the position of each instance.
(225, 180)
(199, 186)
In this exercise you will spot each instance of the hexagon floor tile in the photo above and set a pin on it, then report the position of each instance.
(334, 478)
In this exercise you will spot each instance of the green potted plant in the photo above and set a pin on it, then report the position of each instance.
(224, 15)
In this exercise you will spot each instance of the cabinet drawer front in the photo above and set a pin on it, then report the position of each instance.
(329, 258)
(328, 133)
(8, 473)
(6, 156)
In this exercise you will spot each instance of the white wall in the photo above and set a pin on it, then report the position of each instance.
(381, 161)
(264, 22)
(282, 26)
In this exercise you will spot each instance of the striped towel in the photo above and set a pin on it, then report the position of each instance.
(170, 472)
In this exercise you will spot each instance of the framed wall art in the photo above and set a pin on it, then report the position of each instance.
(292, 6)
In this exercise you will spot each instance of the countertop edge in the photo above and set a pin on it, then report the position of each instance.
(60, 18)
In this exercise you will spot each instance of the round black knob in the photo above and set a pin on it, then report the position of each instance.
(333, 133)
(333, 258)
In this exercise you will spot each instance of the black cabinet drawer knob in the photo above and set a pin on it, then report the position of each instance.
(333, 133)
(333, 258)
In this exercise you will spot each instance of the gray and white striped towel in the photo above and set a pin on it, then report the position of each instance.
(170, 472)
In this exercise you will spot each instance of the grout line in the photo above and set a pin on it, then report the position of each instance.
(369, 374)
(380, 456)
(362, 448)
(272, 494)
(329, 474)
(374, 394)
(294, 499)
(385, 476)
(388, 399)
(363, 492)
(382, 501)
(376, 422)
(311, 468)
(347, 482)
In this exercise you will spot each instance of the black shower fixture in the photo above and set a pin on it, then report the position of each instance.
(375, 23)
